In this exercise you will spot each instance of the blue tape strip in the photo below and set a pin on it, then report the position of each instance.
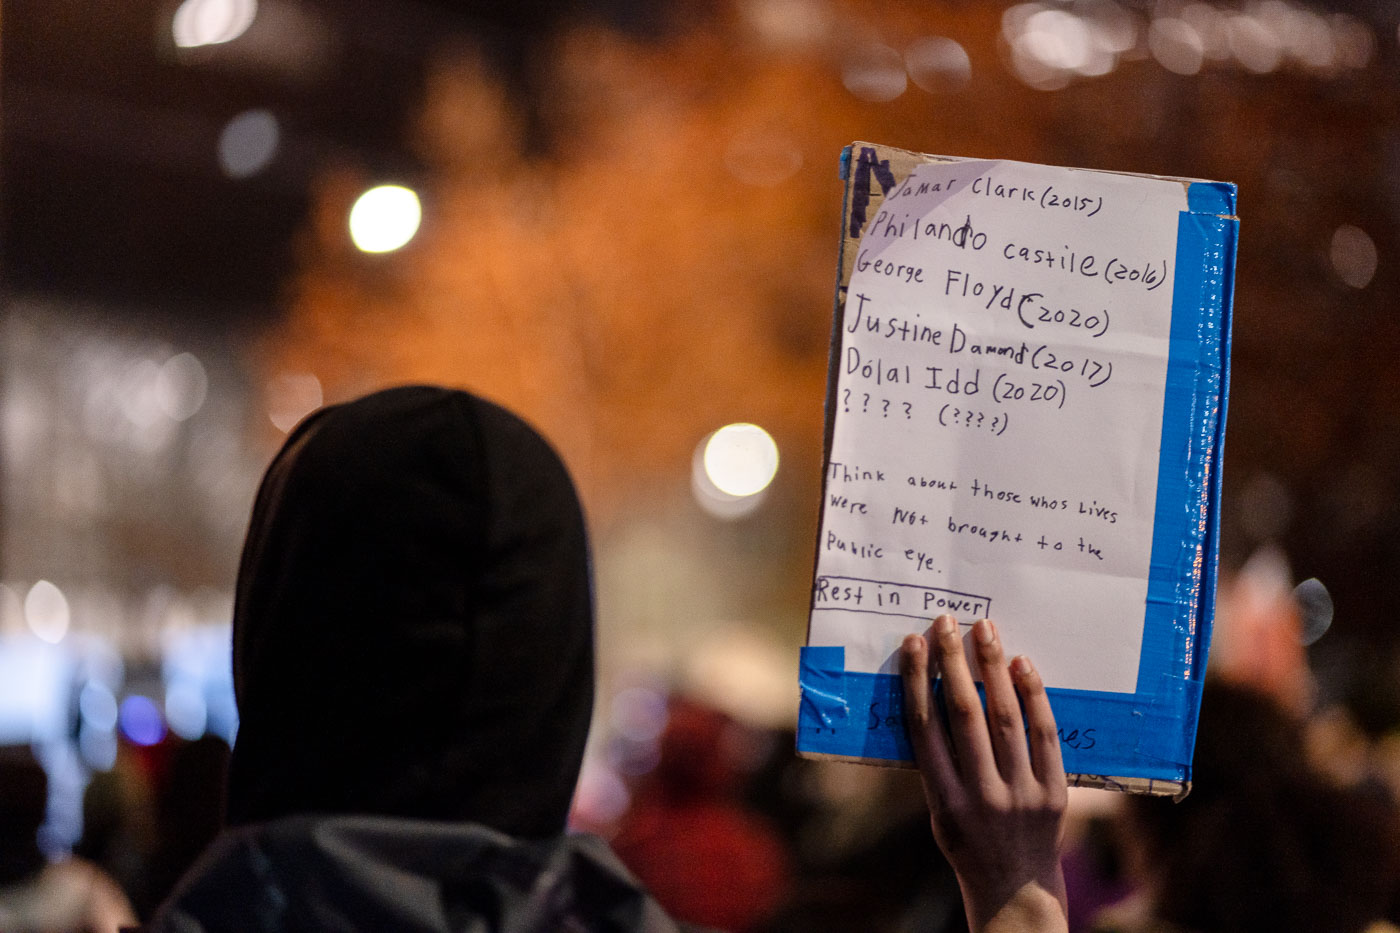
(1211, 197)
(1100, 733)
(1177, 600)
(848, 713)
(1169, 727)
(1228, 231)
(822, 676)
(845, 170)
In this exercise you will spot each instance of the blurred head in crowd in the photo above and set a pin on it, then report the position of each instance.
(24, 798)
(1263, 843)
(694, 762)
(413, 621)
(1257, 641)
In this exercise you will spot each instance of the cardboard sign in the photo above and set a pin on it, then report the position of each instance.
(1025, 418)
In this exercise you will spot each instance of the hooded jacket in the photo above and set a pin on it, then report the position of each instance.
(413, 664)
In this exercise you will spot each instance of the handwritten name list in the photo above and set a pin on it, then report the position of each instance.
(998, 413)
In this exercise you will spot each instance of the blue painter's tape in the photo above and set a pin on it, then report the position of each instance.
(823, 681)
(1211, 197)
(1179, 605)
(845, 170)
(1169, 733)
(863, 717)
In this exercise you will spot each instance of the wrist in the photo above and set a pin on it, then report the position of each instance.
(1034, 907)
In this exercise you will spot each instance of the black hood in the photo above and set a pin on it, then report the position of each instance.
(413, 630)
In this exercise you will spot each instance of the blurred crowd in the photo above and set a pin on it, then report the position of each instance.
(144, 823)
(1291, 823)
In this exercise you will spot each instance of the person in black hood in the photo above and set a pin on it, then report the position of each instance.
(411, 556)
(413, 664)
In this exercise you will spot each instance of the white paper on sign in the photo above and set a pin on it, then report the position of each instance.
(1001, 372)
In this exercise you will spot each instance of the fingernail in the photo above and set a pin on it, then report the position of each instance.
(945, 625)
(1021, 666)
(984, 631)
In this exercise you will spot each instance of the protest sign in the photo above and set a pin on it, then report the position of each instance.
(1025, 420)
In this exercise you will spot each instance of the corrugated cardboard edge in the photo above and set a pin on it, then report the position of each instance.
(1177, 790)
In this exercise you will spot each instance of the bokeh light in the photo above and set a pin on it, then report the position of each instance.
(1112, 29)
(186, 711)
(789, 22)
(762, 158)
(248, 143)
(212, 22)
(1049, 45)
(181, 386)
(602, 794)
(1212, 26)
(140, 393)
(1354, 40)
(1176, 45)
(1046, 45)
(1254, 44)
(46, 612)
(291, 397)
(1354, 256)
(638, 714)
(98, 706)
(141, 721)
(938, 64)
(1058, 38)
(385, 218)
(741, 459)
(875, 73)
(731, 468)
(98, 747)
(1317, 609)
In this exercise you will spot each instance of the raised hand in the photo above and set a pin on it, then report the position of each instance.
(995, 785)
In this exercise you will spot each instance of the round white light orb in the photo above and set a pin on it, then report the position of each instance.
(46, 611)
(384, 218)
(211, 22)
(741, 459)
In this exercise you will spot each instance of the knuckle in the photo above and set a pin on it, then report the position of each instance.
(997, 803)
(1003, 720)
(964, 709)
(958, 813)
(1048, 806)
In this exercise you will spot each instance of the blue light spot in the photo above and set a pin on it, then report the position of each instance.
(141, 721)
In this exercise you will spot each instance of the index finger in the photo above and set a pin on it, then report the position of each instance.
(926, 732)
(967, 722)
